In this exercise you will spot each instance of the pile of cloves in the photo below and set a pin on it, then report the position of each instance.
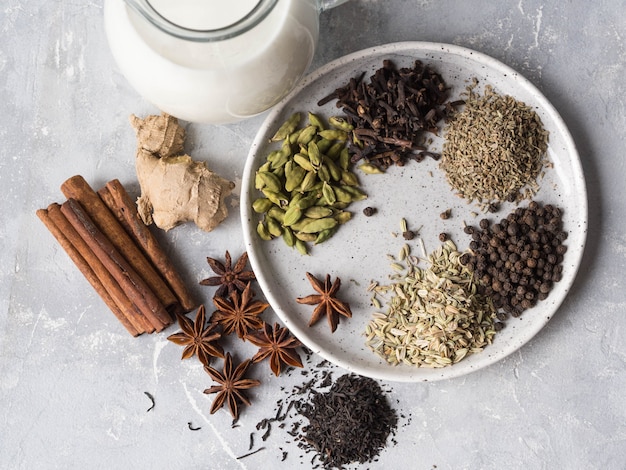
(391, 113)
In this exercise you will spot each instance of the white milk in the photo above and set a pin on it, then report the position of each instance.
(203, 14)
(214, 82)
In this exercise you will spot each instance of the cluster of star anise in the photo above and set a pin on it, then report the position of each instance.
(237, 312)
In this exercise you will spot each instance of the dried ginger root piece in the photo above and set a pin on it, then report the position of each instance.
(174, 188)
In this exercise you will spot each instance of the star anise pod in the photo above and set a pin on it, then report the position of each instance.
(231, 386)
(277, 344)
(197, 338)
(229, 278)
(240, 313)
(328, 303)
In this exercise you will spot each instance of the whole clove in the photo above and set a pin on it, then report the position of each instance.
(391, 113)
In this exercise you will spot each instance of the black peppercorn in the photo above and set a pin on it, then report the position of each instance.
(369, 211)
(519, 258)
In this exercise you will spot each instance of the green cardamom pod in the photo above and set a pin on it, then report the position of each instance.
(335, 150)
(324, 145)
(258, 181)
(315, 157)
(308, 182)
(307, 135)
(334, 134)
(293, 137)
(277, 213)
(357, 194)
(317, 225)
(335, 171)
(344, 159)
(301, 247)
(370, 169)
(262, 205)
(262, 231)
(316, 121)
(273, 155)
(342, 195)
(304, 162)
(318, 212)
(348, 178)
(340, 123)
(288, 167)
(343, 216)
(325, 235)
(276, 197)
(288, 237)
(294, 178)
(301, 223)
(323, 173)
(329, 193)
(292, 215)
(273, 226)
(316, 188)
(287, 127)
(295, 198)
(280, 160)
(270, 181)
(305, 237)
(307, 201)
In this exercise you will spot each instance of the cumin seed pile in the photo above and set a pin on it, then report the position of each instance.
(495, 148)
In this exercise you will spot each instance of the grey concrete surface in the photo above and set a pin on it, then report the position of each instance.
(72, 381)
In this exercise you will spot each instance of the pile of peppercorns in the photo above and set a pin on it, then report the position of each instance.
(517, 260)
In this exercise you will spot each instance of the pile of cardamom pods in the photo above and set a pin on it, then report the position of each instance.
(307, 183)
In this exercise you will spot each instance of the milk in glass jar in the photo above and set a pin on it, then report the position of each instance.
(213, 61)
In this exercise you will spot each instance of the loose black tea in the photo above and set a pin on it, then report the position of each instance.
(349, 423)
(149, 395)
(250, 453)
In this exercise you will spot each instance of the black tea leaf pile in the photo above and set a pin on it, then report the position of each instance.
(349, 423)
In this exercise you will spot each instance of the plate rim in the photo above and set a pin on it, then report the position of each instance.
(424, 47)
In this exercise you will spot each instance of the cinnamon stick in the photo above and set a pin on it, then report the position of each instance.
(129, 280)
(115, 197)
(78, 189)
(130, 310)
(67, 238)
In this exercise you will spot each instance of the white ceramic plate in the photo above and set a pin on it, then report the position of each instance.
(357, 253)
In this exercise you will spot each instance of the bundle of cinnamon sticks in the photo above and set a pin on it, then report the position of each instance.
(119, 256)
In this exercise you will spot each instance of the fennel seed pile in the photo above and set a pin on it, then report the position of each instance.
(495, 148)
(435, 316)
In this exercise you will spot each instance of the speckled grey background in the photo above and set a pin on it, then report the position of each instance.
(72, 381)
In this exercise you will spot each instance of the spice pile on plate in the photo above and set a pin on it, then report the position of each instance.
(494, 149)
(518, 259)
(391, 114)
(435, 315)
(307, 184)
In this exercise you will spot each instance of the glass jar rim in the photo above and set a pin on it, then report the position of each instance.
(246, 23)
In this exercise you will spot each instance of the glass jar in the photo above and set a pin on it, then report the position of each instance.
(213, 61)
